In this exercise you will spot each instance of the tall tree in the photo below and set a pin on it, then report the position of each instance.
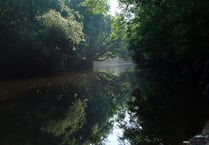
(27, 30)
(100, 41)
(169, 31)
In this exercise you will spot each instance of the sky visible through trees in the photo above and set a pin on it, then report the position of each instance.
(114, 7)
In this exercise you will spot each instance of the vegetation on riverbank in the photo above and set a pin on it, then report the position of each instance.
(44, 37)
(169, 40)
(171, 36)
(168, 37)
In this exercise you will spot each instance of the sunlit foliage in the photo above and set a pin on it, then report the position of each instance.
(37, 36)
(42, 37)
(100, 41)
(95, 6)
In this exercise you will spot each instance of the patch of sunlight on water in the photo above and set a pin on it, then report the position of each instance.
(114, 67)
(116, 136)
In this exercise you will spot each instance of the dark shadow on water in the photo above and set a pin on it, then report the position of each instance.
(169, 108)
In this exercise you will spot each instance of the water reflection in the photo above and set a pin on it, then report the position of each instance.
(169, 109)
(122, 121)
(67, 109)
(117, 132)
(114, 66)
(91, 108)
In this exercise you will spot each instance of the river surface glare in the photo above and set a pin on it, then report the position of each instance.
(80, 108)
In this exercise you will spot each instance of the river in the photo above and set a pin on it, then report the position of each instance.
(70, 108)
(110, 105)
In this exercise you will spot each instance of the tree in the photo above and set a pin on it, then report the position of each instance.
(66, 32)
(56, 35)
(101, 41)
(169, 36)
(167, 30)
(27, 31)
(95, 6)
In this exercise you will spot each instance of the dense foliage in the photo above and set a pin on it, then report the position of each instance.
(102, 40)
(168, 108)
(169, 32)
(54, 35)
(36, 36)
(171, 36)
(169, 40)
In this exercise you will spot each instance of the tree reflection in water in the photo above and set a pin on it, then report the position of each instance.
(61, 111)
(169, 109)
(77, 109)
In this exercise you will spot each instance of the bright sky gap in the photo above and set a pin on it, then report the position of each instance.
(114, 7)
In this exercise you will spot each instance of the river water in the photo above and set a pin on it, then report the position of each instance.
(111, 105)
(67, 109)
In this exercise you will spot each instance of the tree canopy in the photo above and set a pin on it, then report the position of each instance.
(169, 39)
(54, 36)
(169, 31)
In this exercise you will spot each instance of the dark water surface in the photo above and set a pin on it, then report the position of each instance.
(91, 108)
(67, 109)
(170, 107)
